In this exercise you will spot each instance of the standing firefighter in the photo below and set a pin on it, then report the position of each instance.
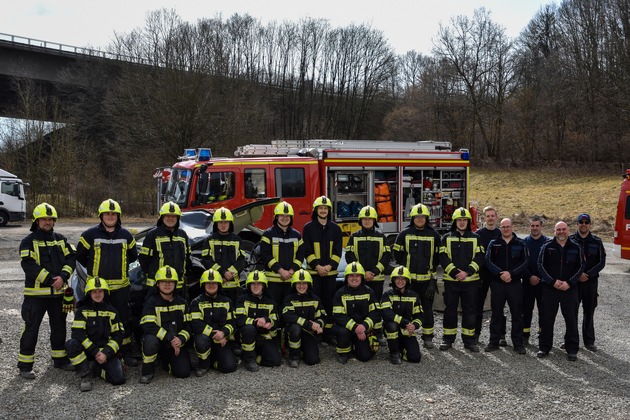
(257, 319)
(461, 255)
(356, 313)
(166, 244)
(222, 252)
(165, 322)
(303, 316)
(48, 261)
(212, 322)
(323, 247)
(106, 250)
(402, 313)
(417, 248)
(97, 335)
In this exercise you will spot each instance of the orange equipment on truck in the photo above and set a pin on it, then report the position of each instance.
(621, 246)
(390, 176)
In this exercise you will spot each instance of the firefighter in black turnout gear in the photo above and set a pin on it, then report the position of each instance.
(166, 244)
(402, 317)
(165, 322)
(212, 323)
(303, 316)
(461, 256)
(356, 313)
(418, 248)
(323, 247)
(97, 335)
(106, 250)
(222, 252)
(257, 319)
(47, 261)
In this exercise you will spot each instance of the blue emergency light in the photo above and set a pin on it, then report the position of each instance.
(189, 153)
(205, 154)
(465, 154)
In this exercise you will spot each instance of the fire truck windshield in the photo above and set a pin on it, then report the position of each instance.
(178, 186)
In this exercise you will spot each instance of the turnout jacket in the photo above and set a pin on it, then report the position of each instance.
(402, 308)
(209, 314)
(250, 307)
(557, 262)
(166, 319)
(322, 245)
(370, 249)
(97, 327)
(223, 253)
(354, 306)
(108, 254)
(461, 252)
(163, 247)
(280, 249)
(303, 309)
(533, 246)
(42, 257)
(594, 254)
(419, 251)
(510, 256)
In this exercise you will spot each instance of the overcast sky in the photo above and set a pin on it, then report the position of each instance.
(407, 24)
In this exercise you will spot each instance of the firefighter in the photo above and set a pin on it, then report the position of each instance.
(166, 244)
(356, 312)
(561, 263)
(303, 315)
(106, 250)
(489, 232)
(257, 319)
(48, 262)
(165, 323)
(461, 256)
(368, 247)
(594, 261)
(417, 247)
(97, 335)
(532, 287)
(281, 252)
(222, 252)
(402, 312)
(506, 259)
(212, 323)
(323, 248)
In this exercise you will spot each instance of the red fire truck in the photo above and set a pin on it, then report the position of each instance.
(621, 246)
(390, 176)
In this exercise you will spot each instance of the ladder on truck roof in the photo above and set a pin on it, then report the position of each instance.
(316, 147)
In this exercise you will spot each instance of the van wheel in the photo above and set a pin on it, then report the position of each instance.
(4, 218)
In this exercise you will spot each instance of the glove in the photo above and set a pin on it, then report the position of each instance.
(68, 300)
(430, 292)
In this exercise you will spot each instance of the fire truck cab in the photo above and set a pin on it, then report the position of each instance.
(390, 176)
(621, 244)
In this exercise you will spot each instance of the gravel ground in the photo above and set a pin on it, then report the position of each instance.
(457, 383)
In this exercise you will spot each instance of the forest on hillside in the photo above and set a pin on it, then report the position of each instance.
(559, 92)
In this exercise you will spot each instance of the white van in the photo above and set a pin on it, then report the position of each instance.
(12, 198)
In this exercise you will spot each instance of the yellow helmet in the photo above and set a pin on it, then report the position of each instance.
(420, 210)
(322, 201)
(301, 276)
(401, 271)
(166, 273)
(354, 268)
(170, 208)
(210, 276)
(368, 212)
(461, 213)
(109, 205)
(222, 215)
(283, 208)
(255, 276)
(96, 283)
(44, 210)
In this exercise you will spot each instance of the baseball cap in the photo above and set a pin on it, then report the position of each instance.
(584, 216)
